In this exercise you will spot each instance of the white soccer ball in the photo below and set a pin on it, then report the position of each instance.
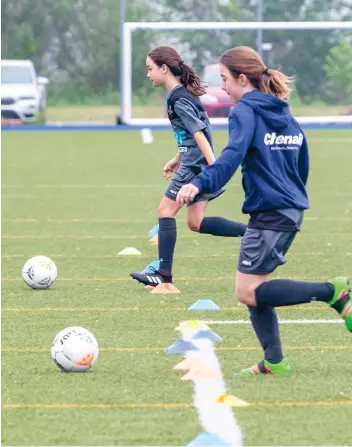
(39, 272)
(74, 349)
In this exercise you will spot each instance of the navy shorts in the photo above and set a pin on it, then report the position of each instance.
(262, 251)
(182, 177)
(263, 248)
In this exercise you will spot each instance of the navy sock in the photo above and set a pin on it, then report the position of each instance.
(266, 326)
(219, 226)
(286, 292)
(166, 244)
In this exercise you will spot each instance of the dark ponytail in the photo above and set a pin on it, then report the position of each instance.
(191, 81)
(169, 56)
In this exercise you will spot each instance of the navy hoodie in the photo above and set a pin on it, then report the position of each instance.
(271, 147)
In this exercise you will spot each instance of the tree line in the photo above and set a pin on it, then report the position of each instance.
(76, 43)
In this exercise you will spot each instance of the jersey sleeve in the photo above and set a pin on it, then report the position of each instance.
(241, 130)
(188, 114)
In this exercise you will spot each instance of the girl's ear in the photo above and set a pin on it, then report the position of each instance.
(164, 68)
(243, 79)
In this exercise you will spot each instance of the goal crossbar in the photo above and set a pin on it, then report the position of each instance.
(237, 25)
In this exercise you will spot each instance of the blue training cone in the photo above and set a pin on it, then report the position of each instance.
(204, 304)
(208, 439)
(208, 335)
(180, 347)
(153, 231)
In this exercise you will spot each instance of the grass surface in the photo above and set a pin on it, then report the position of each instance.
(80, 198)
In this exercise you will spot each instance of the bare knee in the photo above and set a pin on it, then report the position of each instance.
(193, 224)
(164, 212)
(246, 285)
(195, 215)
(245, 295)
(167, 209)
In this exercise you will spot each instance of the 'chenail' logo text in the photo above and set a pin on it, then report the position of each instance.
(272, 138)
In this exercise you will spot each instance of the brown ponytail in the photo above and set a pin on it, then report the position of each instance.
(245, 60)
(169, 56)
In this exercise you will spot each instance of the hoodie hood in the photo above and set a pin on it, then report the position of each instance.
(274, 112)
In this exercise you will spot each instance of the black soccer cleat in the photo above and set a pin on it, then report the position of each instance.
(150, 279)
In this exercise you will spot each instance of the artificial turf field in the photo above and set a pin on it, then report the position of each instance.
(80, 198)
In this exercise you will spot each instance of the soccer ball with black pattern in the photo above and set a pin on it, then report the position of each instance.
(39, 272)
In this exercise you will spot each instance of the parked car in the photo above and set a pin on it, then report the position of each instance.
(216, 101)
(23, 94)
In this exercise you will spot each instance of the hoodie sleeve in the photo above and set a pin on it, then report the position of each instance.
(303, 161)
(241, 130)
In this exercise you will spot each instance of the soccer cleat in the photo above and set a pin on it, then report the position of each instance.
(265, 367)
(341, 300)
(150, 279)
(152, 267)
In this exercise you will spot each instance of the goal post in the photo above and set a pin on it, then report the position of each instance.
(130, 27)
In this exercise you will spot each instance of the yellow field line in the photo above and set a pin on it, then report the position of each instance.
(78, 236)
(77, 220)
(224, 348)
(173, 405)
(141, 309)
(123, 236)
(196, 278)
(84, 309)
(301, 404)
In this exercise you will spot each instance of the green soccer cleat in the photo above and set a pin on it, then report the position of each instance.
(341, 300)
(265, 367)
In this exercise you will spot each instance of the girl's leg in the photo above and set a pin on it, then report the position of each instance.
(216, 226)
(263, 251)
(287, 292)
(262, 296)
(195, 215)
(265, 323)
(167, 212)
(260, 253)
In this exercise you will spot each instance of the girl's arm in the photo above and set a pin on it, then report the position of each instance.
(204, 146)
(188, 114)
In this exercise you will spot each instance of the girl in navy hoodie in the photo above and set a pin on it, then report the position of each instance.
(272, 150)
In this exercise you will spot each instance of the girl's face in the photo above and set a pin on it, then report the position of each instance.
(234, 87)
(155, 73)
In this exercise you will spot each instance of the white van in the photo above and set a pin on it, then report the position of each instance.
(23, 94)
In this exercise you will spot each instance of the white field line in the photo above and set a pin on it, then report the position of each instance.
(320, 321)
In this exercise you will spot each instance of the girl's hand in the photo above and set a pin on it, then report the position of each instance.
(171, 168)
(186, 194)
